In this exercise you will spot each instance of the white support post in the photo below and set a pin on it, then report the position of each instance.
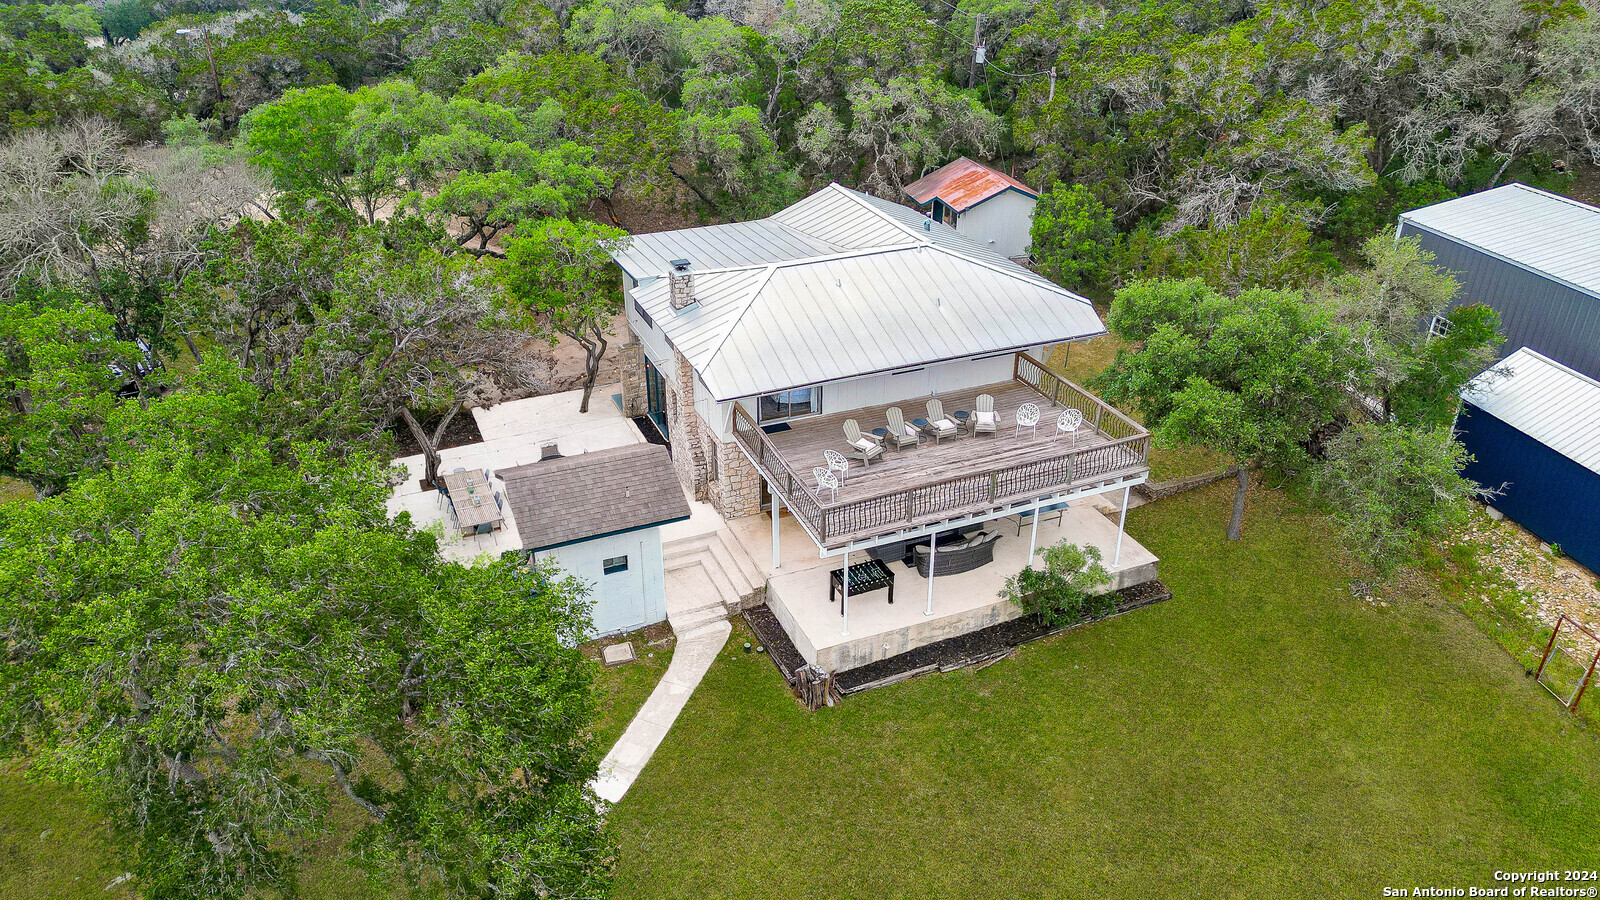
(777, 512)
(1122, 519)
(844, 602)
(1033, 536)
(933, 556)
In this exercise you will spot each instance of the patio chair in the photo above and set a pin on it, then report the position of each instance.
(865, 448)
(984, 421)
(459, 470)
(826, 481)
(837, 463)
(481, 530)
(1027, 417)
(443, 493)
(1068, 421)
(899, 432)
(938, 424)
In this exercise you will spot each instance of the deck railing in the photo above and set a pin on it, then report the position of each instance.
(839, 522)
(1106, 419)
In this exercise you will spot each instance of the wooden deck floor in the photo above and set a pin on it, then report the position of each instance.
(899, 470)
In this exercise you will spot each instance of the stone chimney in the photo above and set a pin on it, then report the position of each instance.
(549, 450)
(682, 284)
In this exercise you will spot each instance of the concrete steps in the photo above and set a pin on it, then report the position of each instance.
(709, 576)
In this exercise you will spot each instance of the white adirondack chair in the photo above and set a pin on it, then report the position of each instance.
(984, 420)
(865, 447)
(899, 432)
(938, 424)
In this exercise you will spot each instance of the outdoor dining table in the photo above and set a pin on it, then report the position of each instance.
(864, 576)
(472, 497)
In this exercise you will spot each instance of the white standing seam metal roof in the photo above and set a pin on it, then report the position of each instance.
(1551, 235)
(1546, 401)
(898, 294)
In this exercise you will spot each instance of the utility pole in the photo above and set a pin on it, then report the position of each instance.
(977, 51)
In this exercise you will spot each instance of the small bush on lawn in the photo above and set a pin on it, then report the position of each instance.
(1059, 593)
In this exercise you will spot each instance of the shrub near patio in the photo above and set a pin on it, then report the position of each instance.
(1263, 734)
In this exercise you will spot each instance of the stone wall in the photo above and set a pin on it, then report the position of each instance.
(686, 431)
(716, 472)
(737, 490)
(630, 367)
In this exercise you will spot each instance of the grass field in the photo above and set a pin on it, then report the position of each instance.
(1263, 734)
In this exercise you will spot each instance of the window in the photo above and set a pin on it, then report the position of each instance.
(711, 458)
(1439, 327)
(789, 404)
(614, 565)
(643, 316)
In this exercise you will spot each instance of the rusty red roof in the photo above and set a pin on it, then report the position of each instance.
(964, 184)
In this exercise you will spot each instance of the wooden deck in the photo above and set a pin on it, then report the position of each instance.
(899, 470)
(952, 477)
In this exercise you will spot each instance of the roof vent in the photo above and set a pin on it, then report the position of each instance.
(549, 450)
(682, 281)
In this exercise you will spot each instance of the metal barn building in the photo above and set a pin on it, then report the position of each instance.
(1533, 425)
(1531, 255)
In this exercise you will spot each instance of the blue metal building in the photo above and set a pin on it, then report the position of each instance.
(1531, 255)
(1533, 426)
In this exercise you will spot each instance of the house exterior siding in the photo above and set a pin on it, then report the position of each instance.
(624, 600)
(1545, 491)
(1558, 321)
(914, 386)
(1003, 223)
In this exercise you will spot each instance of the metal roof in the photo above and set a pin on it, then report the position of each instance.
(963, 184)
(1551, 235)
(576, 498)
(1545, 400)
(718, 246)
(913, 293)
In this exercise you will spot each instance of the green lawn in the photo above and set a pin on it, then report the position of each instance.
(619, 692)
(1262, 734)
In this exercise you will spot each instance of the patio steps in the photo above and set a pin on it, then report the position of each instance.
(709, 576)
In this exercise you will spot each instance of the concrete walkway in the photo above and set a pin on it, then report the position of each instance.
(696, 651)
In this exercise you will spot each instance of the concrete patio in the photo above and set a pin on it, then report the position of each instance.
(512, 435)
(797, 591)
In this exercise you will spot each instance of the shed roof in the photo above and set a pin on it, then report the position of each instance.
(901, 291)
(577, 498)
(1553, 236)
(1545, 400)
(964, 184)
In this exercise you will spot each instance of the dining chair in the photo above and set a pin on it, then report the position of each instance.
(837, 463)
(826, 480)
(1027, 417)
(1069, 421)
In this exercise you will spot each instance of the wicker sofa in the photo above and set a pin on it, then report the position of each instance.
(959, 556)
